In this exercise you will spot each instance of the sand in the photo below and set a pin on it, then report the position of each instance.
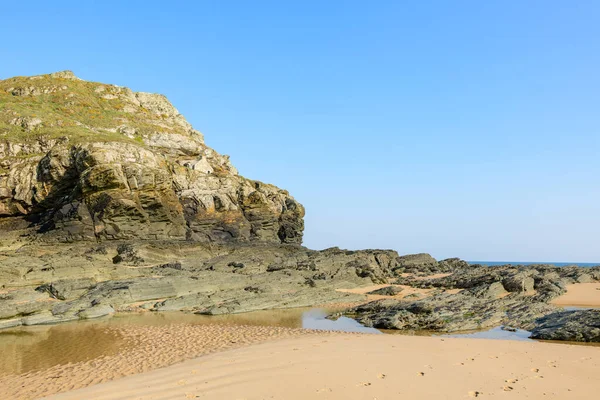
(406, 291)
(143, 348)
(344, 366)
(580, 295)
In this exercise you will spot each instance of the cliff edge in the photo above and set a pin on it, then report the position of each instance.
(84, 160)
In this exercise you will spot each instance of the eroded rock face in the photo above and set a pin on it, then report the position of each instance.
(576, 326)
(486, 297)
(140, 172)
(59, 283)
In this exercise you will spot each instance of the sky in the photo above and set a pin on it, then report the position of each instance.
(459, 128)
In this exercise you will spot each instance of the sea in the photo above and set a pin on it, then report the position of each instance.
(558, 264)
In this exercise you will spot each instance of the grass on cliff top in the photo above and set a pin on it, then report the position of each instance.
(71, 108)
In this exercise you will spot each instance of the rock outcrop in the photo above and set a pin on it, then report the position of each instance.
(87, 161)
(111, 201)
(477, 297)
(575, 326)
(44, 284)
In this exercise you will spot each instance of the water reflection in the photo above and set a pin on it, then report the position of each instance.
(317, 319)
(494, 333)
(33, 348)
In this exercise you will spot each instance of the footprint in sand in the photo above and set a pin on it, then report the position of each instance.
(535, 370)
(421, 373)
(381, 376)
(512, 380)
(364, 384)
(507, 388)
(182, 382)
(474, 393)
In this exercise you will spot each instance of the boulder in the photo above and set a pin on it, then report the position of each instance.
(518, 283)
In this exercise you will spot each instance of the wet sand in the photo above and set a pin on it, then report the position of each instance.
(141, 348)
(347, 366)
(580, 295)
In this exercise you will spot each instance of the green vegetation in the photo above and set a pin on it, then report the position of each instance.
(83, 111)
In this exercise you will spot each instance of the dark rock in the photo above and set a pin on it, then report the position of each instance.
(173, 265)
(387, 291)
(576, 326)
(127, 254)
(520, 282)
(320, 277)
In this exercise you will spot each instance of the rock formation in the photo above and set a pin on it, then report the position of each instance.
(477, 297)
(88, 161)
(110, 201)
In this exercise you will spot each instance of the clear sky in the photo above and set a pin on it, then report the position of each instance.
(458, 128)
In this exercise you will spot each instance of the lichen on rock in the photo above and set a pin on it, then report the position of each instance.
(87, 161)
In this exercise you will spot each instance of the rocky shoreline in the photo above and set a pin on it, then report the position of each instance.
(487, 297)
(111, 201)
(81, 281)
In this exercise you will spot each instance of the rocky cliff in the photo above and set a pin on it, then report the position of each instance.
(83, 160)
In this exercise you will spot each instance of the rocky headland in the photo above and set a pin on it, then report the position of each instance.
(111, 201)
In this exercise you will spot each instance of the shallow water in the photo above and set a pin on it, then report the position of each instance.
(495, 333)
(33, 348)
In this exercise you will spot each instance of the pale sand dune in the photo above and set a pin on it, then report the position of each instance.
(580, 294)
(369, 367)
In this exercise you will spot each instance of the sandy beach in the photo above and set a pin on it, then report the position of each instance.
(137, 349)
(580, 295)
(343, 366)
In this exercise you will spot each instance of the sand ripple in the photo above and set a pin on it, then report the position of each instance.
(146, 348)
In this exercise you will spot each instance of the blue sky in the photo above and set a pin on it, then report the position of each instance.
(458, 128)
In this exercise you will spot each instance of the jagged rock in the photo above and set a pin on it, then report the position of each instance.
(490, 296)
(64, 75)
(109, 164)
(22, 302)
(387, 291)
(126, 169)
(127, 254)
(66, 289)
(518, 283)
(576, 326)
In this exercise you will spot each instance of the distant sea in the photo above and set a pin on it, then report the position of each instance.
(558, 264)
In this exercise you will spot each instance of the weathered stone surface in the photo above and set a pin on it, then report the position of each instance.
(83, 162)
(132, 167)
(387, 291)
(491, 296)
(205, 278)
(96, 311)
(576, 326)
(10, 323)
(66, 289)
(520, 282)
